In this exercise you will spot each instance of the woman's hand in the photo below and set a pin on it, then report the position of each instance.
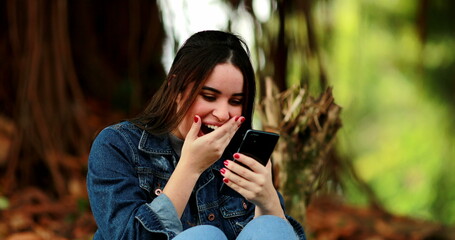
(198, 153)
(255, 184)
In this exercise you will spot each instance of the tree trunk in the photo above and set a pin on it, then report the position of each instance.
(49, 107)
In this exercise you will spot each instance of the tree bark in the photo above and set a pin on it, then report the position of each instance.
(49, 108)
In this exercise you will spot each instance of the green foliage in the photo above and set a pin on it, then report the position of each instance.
(397, 128)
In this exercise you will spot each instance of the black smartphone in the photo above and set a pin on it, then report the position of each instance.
(258, 145)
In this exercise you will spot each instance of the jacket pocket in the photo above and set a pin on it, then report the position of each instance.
(152, 181)
(238, 212)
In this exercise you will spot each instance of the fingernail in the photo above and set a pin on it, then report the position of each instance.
(236, 155)
(223, 170)
(236, 118)
(225, 180)
(226, 162)
(242, 119)
(196, 119)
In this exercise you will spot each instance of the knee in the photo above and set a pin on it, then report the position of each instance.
(268, 227)
(201, 232)
(269, 221)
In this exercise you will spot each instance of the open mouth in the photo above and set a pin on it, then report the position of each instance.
(206, 129)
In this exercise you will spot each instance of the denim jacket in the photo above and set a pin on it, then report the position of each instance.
(127, 171)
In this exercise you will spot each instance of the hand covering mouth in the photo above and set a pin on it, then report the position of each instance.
(207, 128)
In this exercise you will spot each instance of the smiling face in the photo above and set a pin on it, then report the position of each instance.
(220, 99)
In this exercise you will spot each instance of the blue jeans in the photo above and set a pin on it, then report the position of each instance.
(264, 227)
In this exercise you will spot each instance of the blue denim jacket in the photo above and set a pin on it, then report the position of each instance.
(129, 167)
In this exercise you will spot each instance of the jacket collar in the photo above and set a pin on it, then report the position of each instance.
(155, 144)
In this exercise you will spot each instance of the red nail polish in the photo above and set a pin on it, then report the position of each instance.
(236, 155)
(196, 119)
(225, 180)
(242, 119)
(223, 170)
(237, 118)
(226, 162)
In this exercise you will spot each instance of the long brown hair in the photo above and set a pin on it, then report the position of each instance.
(194, 62)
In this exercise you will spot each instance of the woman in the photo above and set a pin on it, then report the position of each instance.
(158, 176)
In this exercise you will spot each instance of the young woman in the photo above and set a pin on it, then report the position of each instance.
(158, 176)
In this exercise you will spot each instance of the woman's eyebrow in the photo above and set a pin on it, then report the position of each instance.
(219, 92)
(211, 89)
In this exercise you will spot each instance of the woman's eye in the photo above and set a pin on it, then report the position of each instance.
(236, 101)
(209, 98)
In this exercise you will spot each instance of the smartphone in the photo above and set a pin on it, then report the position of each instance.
(258, 145)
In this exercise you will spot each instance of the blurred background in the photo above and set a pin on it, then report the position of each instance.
(70, 68)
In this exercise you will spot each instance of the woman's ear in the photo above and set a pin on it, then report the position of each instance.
(178, 99)
(182, 97)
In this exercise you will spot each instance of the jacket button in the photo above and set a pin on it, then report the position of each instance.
(211, 217)
(158, 191)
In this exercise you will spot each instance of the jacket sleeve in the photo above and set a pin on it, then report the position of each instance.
(118, 204)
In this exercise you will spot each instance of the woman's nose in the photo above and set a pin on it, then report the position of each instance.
(221, 112)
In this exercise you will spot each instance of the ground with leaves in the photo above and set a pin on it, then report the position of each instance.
(32, 215)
